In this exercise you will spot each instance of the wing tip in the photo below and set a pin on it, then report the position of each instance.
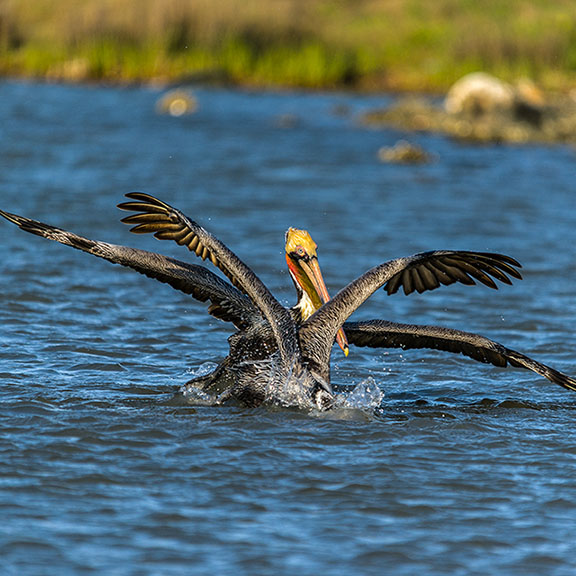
(14, 218)
(142, 200)
(464, 267)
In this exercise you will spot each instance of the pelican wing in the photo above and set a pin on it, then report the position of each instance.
(432, 269)
(226, 302)
(421, 272)
(384, 334)
(168, 223)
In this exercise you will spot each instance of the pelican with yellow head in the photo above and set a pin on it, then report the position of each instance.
(282, 355)
(302, 260)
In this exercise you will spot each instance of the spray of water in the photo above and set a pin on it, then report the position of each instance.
(287, 387)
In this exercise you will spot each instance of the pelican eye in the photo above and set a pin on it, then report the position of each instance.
(300, 254)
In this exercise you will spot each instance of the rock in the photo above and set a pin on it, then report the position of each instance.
(178, 102)
(482, 108)
(403, 152)
(479, 93)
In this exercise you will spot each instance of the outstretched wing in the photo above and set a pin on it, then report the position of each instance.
(384, 334)
(421, 272)
(226, 302)
(168, 223)
(433, 269)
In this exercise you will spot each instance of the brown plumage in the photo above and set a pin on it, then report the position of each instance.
(283, 354)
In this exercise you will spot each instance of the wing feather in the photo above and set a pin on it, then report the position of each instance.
(226, 302)
(429, 279)
(168, 223)
(419, 273)
(384, 334)
(445, 268)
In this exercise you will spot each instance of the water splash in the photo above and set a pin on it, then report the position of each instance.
(366, 395)
(195, 395)
(198, 397)
(202, 370)
(284, 387)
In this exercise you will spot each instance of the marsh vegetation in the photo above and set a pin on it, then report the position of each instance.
(366, 44)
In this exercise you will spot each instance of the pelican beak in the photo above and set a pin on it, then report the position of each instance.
(319, 294)
(303, 264)
(342, 341)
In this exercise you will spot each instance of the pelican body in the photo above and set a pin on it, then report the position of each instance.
(282, 355)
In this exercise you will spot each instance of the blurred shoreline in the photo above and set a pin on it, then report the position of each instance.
(364, 45)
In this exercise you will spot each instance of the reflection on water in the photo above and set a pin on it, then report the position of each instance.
(434, 463)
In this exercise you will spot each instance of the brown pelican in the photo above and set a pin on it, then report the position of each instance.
(281, 354)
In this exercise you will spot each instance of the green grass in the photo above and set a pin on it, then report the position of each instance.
(366, 44)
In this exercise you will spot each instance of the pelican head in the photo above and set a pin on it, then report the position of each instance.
(302, 260)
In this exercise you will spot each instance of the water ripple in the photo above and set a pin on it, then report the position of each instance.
(431, 464)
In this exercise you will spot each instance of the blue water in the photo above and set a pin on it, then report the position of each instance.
(463, 469)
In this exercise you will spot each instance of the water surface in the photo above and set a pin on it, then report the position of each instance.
(463, 469)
